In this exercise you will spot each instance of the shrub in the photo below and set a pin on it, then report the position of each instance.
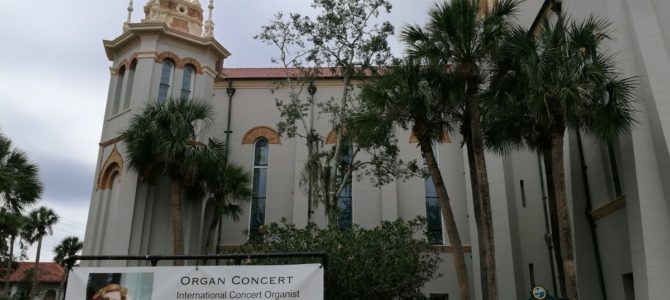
(391, 261)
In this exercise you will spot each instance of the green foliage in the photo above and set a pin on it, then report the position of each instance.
(557, 79)
(163, 139)
(343, 39)
(40, 223)
(386, 262)
(19, 180)
(69, 246)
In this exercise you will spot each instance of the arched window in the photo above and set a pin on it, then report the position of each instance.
(345, 198)
(119, 90)
(433, 211)
(166, 80)
(129, 84)
(259, 185)
(188, 81)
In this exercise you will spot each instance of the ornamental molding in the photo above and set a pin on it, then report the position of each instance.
(261, 131)
(112, 167)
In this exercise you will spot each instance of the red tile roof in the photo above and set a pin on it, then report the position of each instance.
(49, 272)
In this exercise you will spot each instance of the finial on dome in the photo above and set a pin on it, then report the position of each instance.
(155, 7)
(130, 12)
(209, 24)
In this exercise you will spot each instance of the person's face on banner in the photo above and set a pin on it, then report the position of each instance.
(116, 295)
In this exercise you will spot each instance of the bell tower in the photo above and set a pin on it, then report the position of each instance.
(171, 52)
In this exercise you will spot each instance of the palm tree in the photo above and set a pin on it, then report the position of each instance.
(19, 187)
(415, 96)
(223, 184)
(548, 83)
(69, 246)
(461, 35)
(11, 225)
(40, 223)
(19, 180)
(163, 139)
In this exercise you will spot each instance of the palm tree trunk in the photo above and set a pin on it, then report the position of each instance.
(8, 272)
(36, 269)
(563, 214)
(450, 223)
(175, 209)
(487, 248)
(477, 208)
(210, 236)
(547, 154)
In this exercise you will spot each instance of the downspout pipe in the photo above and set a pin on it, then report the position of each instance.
(589, 216)
(230, 91)
(311, 89)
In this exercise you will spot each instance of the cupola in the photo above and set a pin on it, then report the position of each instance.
(182, 15)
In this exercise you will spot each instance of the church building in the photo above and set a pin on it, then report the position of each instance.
(623, 188)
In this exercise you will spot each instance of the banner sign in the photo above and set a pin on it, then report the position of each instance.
(278, 282)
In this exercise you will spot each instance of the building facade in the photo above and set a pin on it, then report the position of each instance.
(172, 52)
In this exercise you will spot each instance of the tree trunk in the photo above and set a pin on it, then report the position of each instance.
(450, 223)
(36, 269)
(8, 272)
(565, 231)
(478, 213)
(553, 216)
(487, 248)
(211, 235)
(175, 210)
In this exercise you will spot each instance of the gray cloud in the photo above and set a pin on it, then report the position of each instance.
(66, 181)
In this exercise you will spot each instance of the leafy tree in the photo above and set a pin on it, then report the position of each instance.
(461, 36)
(414, 96)
(163, 139)
(340, 42)
(548, 83)
(40, 223)
(386, 262)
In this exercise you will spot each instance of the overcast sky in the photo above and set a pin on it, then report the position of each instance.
(54, 77)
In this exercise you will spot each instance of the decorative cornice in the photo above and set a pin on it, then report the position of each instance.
(261, 131)
(609, 208)
(110, 141)
(273, 83)
(136, 30)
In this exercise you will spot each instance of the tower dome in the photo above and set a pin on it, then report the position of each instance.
(182, 15)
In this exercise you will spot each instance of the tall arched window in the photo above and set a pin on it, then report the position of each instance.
(119, 90)
(259, 188)
(129, 84)
(345, 198)
(187, 81)
(166, 80)
(433, 211)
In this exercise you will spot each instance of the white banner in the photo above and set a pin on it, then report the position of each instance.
(294, 282)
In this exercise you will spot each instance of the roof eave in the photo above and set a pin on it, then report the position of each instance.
(137, 29)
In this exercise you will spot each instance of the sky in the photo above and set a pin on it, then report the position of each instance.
(54, 78)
